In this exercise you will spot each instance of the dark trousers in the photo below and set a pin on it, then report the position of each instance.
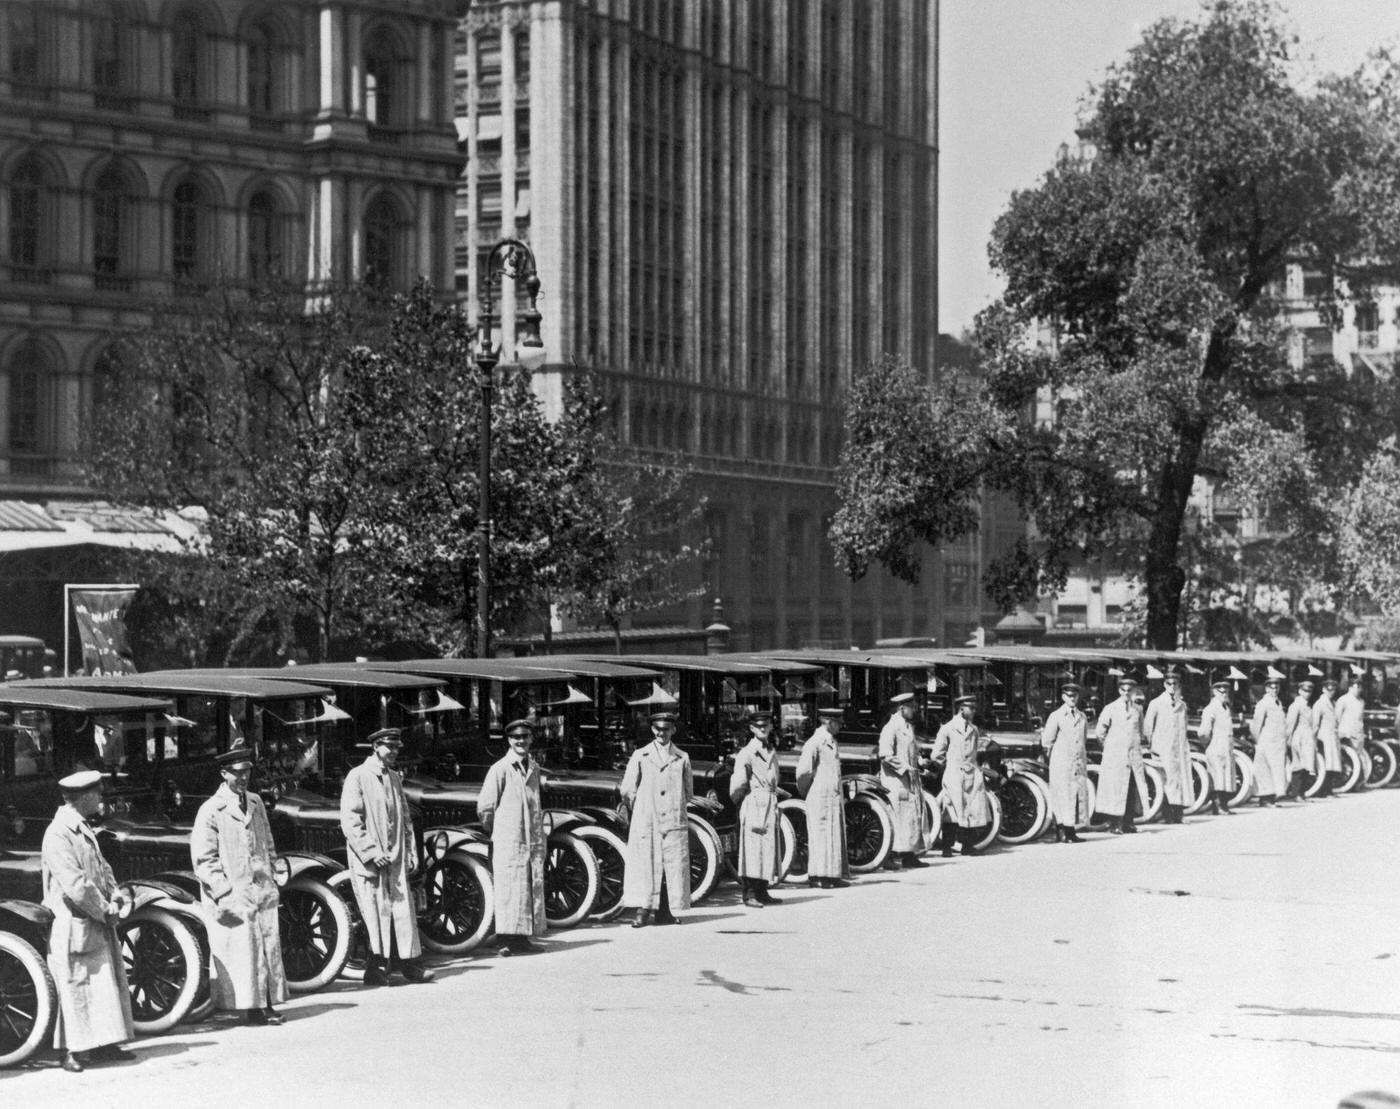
(1131, 804)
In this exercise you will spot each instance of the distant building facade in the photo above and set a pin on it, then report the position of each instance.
(149, 147)
(732, 205)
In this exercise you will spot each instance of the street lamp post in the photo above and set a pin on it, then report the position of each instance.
(512, 259)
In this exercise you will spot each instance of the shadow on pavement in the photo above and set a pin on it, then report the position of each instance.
(302, 1011)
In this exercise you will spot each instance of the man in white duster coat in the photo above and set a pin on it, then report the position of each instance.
(899, 774)
(1268, 727)
(819, 782)
(1122, 780)
(1164, 724)
(1300, 726)
(1217, 728)
(657, 787)
(1329, 749)
(964, 793)
(382, 854)
(84, 957)
(754, 788)
(231, 849)
(1066, 730)
(510, 811)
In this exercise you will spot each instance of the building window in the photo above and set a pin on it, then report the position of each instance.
(110, 230)
(31, 216)
(111, 36)
(189, 234)
(262, 73)
(383, 249)
(25, 40)
(30, 411)
(264, 238)
(488, 69)
(957, 584)
(385, 81)
(187, 65)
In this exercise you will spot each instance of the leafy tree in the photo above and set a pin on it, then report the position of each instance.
(1370, 532)
(1149, 270)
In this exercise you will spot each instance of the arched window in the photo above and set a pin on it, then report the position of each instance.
(187, 53)
(111, 37)
(383, 246)
(31, 217)
(265, 246)
(30, 397)
(111, 230)
(189, 233)
(385, 81)
(262, 85)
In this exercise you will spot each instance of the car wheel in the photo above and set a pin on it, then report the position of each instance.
(787, 846)
(357, 954)
(460, 904)
(570, 880)
(204, 999)
(704, 857)
(1352, 769)
(869, 833)
(1382, 770)
(315, 927)
(1156, 794)
(794, 850)
(989, 835)
(1244, 775)
(1023, 809)
(610, 850)
(28, 1000)
(163, 967)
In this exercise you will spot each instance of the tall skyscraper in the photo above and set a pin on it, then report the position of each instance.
(733, 205)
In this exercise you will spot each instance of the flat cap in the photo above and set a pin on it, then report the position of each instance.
(80, 780)
(760, 716)
(831, 711)
(1221, 685)
(965, 699)
(1071, 687)
(901, 698)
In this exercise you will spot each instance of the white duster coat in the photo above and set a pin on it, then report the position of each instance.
(1325, 717)
(819, 782)
(1120, 729)
(1302, 737)
(754, 788)
(375, 818)
(1270, 746)
(657, 787)
(509, 808)
(964, 792)
(93, 998)
(1066, 730)
(899, 774)
(1165, 726)
(1217, 728)
(232, 854)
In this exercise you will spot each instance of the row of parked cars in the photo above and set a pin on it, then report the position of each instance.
(156, 736)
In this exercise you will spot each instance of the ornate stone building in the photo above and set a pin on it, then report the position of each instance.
(733, 205)
(148, 146)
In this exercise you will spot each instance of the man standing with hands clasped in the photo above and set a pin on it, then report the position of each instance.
(1165, 727)
(899, 773)
(656, 788)
(94, 1005)
(819, 782)
(1066, 730)
(1217, 728)
(754, 788)
(1122, 780)
(382, 854)
(964, 792)
(231, 849)
(510, 811)
(1268, 727)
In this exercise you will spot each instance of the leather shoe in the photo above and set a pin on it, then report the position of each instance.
(72, 1063)
(665, 916)
(110, 1053)
(417, 972)
(642, 919)
(376, 976)
(912, 861)
(834, 883)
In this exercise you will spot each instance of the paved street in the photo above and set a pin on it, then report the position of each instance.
(1251, 961)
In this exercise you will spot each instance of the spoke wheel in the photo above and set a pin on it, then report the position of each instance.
(461, 904)
(315, 927)
(163, 968)
(795, 813)
(1382, 770)
(27, 1000)
(993, 829)
(357, 949)
(869, 833)
(1023, 809)
(787, 845)
(610, 851)
(704, 858)
(1156, 794)
(1352, 769)
(1244, 775)
(570, 880)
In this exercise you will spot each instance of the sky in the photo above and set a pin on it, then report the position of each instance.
(1013, 74)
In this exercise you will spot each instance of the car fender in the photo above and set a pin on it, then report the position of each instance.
(183, 879)
(609, 818)
(566, 820)
(439, 842)
(704, 805)
(24, 914)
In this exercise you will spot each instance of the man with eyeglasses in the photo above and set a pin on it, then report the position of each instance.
(1165, 726)
(657, 787)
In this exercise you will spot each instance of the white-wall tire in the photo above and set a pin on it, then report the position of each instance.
(989, 836)
(610, 849)
(1156, 794)
(461, 904)
(705, 854)
(869, 833)
(1244, 776)
(793, 814)
(1025, 806)
(1201, 787)
(315, 927)
(164, 965)
(570, 880)
(31, 1001)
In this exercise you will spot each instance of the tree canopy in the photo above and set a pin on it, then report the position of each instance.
(1139, 355)
(331, 446)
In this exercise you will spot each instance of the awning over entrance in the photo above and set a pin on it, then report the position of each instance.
(26, 526)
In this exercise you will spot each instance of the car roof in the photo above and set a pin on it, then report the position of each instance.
(582, 667)
(176, 682)
(711, 664)
(358, 674)
(78, 700)
(497, 670)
